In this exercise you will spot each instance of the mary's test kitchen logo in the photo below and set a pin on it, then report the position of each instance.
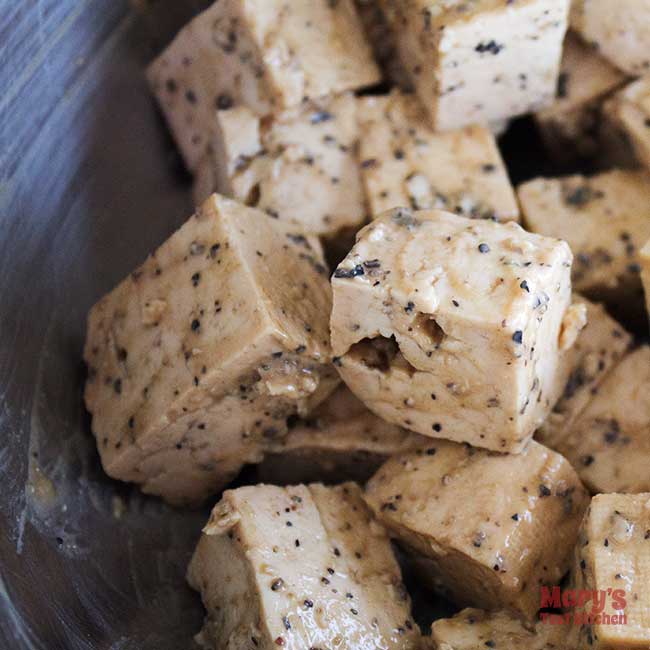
(583, 606)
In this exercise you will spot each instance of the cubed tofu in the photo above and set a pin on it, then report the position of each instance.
(619, 31)
(301, 567)
(600, 347)
(481, 61)
(404, 163)
(301, 167)
(604, 218)
(383, 42)
(609, 443)
(612, 559)
(475, 629)
(453, 327)
(199, 356)
(645, 272)
(630, 110)
(341, 440)
(480, 520)
(268, 55)
(570, 127)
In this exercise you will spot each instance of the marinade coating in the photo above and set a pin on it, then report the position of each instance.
(480, 61)
(268, 55)
(300, 567)
(197, 359)
(404, 163)
(453, 327)
(478, 521)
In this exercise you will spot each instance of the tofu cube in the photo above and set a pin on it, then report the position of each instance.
(570, 127)
(404, 163)
(480, 520)
(612, 559)
(198, 358)
(341, 440)
(601, 345)
(604, 218)
(453, 327)
(301, 567)
(301, 167)
(480, 62)
(630, 110)
(474, 629)
(609, 443)
(267, 55)
(619, 31)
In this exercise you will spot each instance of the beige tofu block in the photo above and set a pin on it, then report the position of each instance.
(341, 440)
(645, 272)
(613, 558)
(301, 567)
(619, 30)
(383, 43)
(301, 167)
(604, 218)
(268, 55)
(475, 629)
(404, 163)
(571, 125)
(609, 443)
(630, 110)
(481, 520)
(483, 61)
(453, 327)
(600, 347)
(198, 358)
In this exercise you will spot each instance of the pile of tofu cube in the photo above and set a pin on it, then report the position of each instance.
(412, 353)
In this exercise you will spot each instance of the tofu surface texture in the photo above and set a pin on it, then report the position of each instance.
(619, 31)
(197, 359)
(630, 110)
(604, 218)
(268, 55)
(601, 345)
(297, 568)
(492, 551)
(453, 327)
(613, 558)
(301, 167)
(571, 125)
(405, 164)
(480, 61)
(340, 440)
(609, 443)
(475, 629)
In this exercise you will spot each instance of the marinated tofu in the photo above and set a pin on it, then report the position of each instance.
(605, 219)
(612, 560)
(480, 521)
(268, 55)
(475, 629)
(341, 440)
(630, 110)
(404, 163)
(301, 167)
(453, 327)
(645, 272)
(197, 359)
(609, 443)
(600, 347)
(481, 61)
(571, 126)
(301, 567)
(619, 31)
